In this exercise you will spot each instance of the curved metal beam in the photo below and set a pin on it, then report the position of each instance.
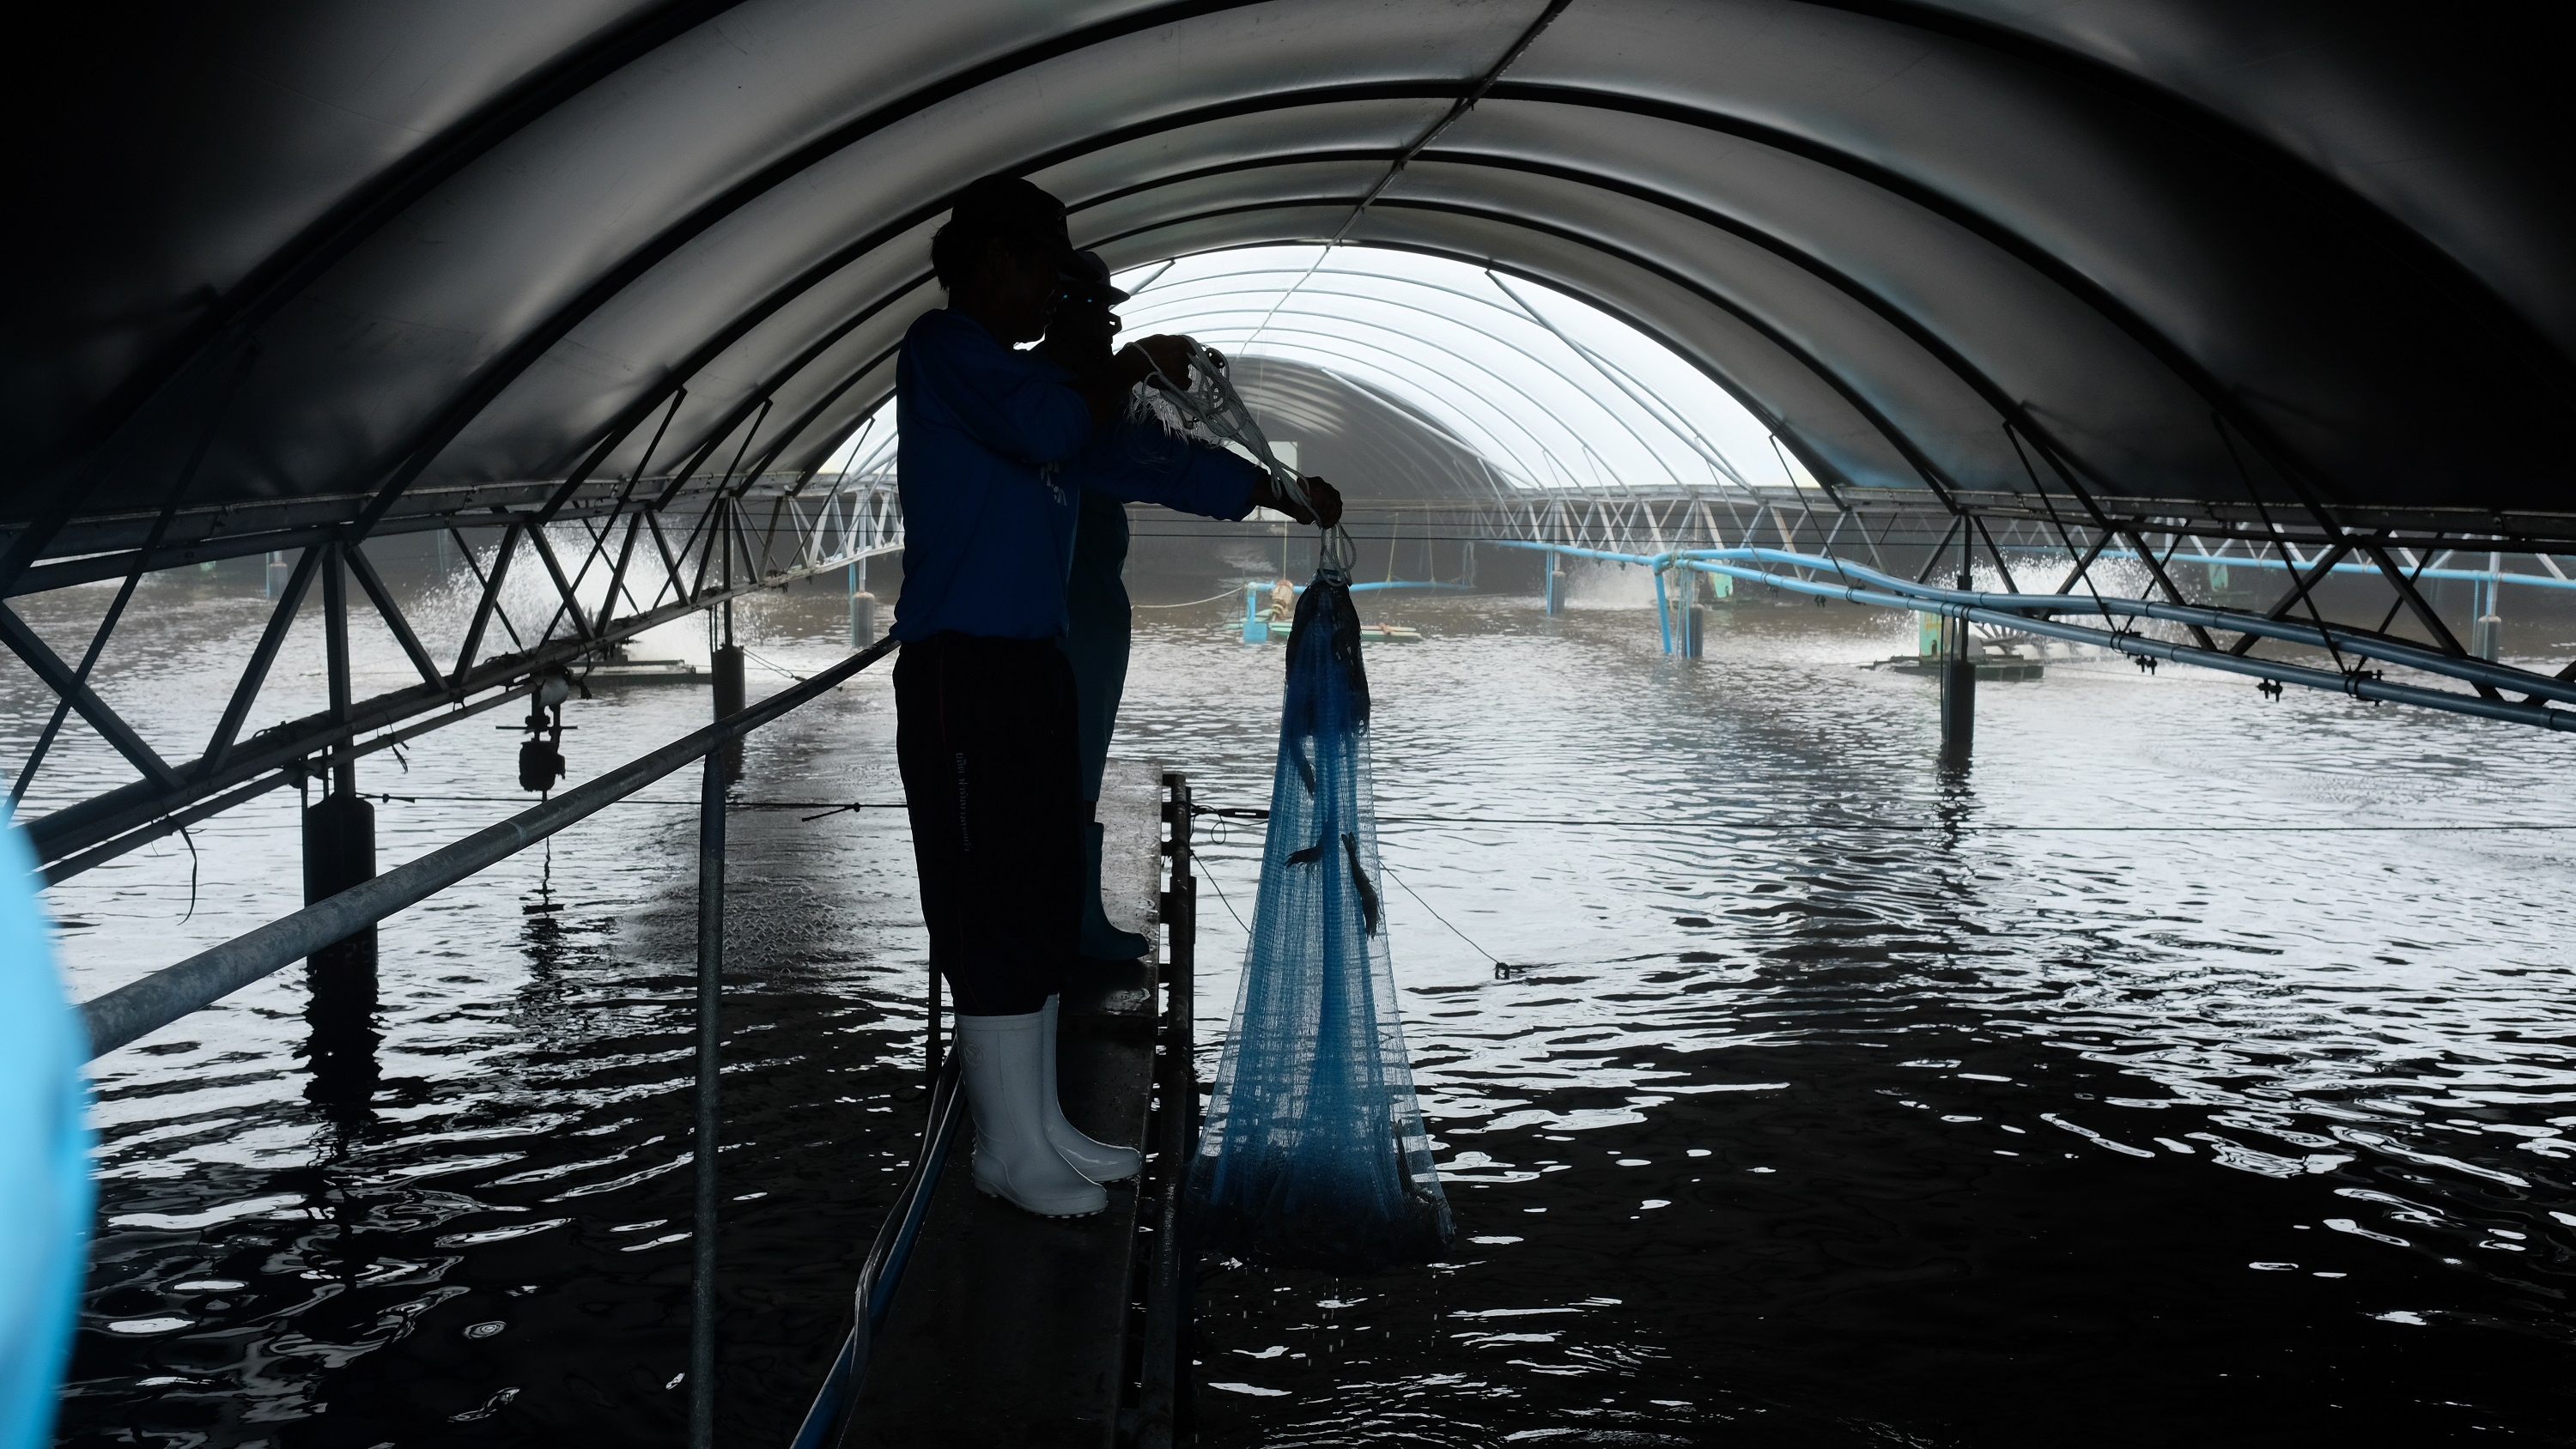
(2176, 109)
(2163, 348)
(1914, 328)
(1932, 473)
(406, 462)
(1449, 352)
(268, 287)
(2153, 339)
(2008, 409)
(2100, 298)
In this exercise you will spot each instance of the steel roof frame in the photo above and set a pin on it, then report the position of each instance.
(1310, 289)
(185, 387)
(452, 419)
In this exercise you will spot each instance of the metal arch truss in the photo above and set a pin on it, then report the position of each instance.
(1482, 409)
(2048, 559)
(695, 545)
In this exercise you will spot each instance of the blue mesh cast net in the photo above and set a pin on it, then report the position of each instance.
(1314, 1152)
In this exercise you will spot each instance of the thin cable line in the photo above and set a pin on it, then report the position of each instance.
(1192, 604)
(1989, 827)
(770, 665)
(1389, 872)
(1229, 905)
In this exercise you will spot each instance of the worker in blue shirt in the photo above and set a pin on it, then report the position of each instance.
(984, 699)
(1135, 459)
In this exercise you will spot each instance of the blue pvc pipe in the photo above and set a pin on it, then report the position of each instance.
(2395, 651)
(2017, 610)
(1256, 629)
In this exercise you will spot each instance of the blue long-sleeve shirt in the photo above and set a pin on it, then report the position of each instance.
(1138, 460)
(988, 523)
(996, 449)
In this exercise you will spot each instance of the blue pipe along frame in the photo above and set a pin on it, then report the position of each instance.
(2032, 614)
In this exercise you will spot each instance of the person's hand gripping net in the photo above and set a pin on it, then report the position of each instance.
(1193, 377)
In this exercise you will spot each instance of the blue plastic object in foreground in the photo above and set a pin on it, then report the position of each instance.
(44, 1158)
(1314, 1151)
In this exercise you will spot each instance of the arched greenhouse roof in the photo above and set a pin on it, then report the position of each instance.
(2178, 249)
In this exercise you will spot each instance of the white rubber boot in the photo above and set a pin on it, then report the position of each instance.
(1092, 1158)
(1004, 1060)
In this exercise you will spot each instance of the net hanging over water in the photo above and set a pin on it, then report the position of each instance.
(1314, 1150)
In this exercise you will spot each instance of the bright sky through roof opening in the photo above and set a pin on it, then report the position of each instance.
(1550, 391)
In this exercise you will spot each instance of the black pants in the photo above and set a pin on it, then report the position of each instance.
(984, 735)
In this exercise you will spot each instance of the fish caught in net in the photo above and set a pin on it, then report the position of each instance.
(1314, 1151)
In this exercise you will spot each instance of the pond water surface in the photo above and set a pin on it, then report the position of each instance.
(2190, 1069)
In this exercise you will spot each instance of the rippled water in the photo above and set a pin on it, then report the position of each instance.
(2194, 1069)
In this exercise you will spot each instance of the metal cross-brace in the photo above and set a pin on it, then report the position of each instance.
(2302, 589)
(68, 685)
(377, 594)
(831, 528)
(2443, 638)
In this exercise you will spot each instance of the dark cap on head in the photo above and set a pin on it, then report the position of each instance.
(1089, 276)
(1009, 209)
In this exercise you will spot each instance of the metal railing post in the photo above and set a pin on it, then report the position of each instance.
(702, 1273)
(932, 1049)
(1163, 1395)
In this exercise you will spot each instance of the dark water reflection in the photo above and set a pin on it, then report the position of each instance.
(2124, 1090)
(2134, 1088)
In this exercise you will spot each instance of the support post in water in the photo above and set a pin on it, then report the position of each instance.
(863, 605)
(340, 852)
(730, 699)
(1664, 609)
(1958, 704)
(1958, 677)
(726, 658)
(702, 1266)
(1555, 584)
(1164, 1400)
(2486, 631)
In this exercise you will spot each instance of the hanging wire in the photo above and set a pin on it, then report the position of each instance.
(771, 665)
(825, 809)
(1192, 604)
(1210, 878)
(190, 841)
